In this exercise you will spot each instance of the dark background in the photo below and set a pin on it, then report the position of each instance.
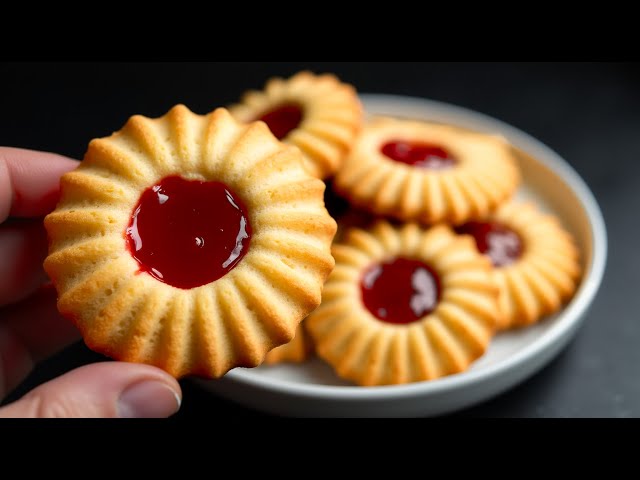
(588, 112)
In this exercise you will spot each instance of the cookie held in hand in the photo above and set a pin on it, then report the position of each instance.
(193, 243)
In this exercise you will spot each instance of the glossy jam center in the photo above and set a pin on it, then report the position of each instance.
(283, 120)
(400, 291)
(188, 233)
(501, 244)
(416, 154)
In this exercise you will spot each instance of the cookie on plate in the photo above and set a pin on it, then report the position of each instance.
(298, 350)
(193, 243)
(428, 173)
(536, 261)
(404, 304)
(317, 113)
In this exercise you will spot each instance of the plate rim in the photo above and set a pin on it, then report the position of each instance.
(571, 315)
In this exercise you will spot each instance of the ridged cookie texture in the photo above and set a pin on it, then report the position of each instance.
(547, 273)
(484, 176)
(298, 350)
(370, 352)
(206, 331)
(331, 116)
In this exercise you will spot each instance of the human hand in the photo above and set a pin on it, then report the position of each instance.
(30, 325)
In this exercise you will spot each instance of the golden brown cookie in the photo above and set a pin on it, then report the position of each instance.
(298, 350)
(404, 304)
(192, 243)
(317, 113)
(428, 173)
(536, 262)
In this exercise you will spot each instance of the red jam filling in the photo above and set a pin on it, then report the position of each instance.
(416, 154)
(400, 291)
(283, 120)
(188, 233)
(502, 245)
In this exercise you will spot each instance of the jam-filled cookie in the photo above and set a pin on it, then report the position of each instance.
(536, 262)
(428, 173)
(404, 304)
(317, 113)
(298, 350)
(193, 243)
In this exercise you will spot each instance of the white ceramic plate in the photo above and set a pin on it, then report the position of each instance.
(312, 389)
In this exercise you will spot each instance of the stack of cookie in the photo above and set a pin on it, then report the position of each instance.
(201, 243)
(433, 256)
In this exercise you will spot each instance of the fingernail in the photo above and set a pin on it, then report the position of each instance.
(148, 399)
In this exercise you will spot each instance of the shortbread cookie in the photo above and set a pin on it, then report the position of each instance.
(535, 261)
(193, 243)
(428, 173)
(298, 350)
(404, 305)
(316, 113)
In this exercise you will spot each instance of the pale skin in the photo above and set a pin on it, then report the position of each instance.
(31, 328)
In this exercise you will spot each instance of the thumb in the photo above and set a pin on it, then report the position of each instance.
(102, 390)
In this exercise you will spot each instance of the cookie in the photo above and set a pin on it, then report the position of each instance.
(404, 304)
(536, 262)
(298, 350)
(193, 243)
(317, 113)
(428, 173)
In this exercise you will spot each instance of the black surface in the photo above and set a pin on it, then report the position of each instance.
(588, 112)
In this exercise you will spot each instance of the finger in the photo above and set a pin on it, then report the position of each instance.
(102, 390)
(30, 181)
(30, 331)
(23, 248)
